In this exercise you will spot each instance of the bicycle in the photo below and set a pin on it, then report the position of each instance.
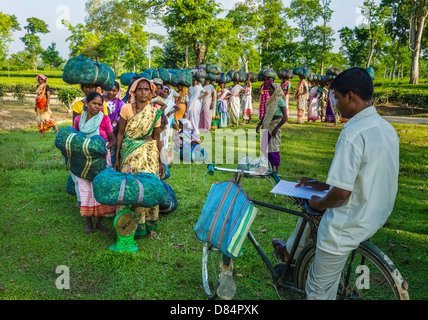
(289, 278)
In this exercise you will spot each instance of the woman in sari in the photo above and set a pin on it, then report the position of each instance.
(182, 102)
(196, 94)
(45, 119)
(302, 99)
(286, 87)
(247, 102)
(235, 103)
(313, 104)
(223, 100)
(139, 144)
(272, 122)
(93, 122)
(264, 95)
(215, 113)
(80, 106)
(207, 107)
(168, 113)
(114, 103)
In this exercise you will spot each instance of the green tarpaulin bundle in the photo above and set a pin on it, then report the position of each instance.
(223, 78)
(116, 188)
(333, 71)
(253, 77)
(213, 69)
(84, 157)
(371, 72)
(170, 202)
(81, 70)
(285, 74)
(302, 72)
(199, 74)
(267, 73)
(181, 76)
(126, 78)
(239, 76)
(153, 73)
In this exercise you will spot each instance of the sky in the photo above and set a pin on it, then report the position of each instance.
(346, 13)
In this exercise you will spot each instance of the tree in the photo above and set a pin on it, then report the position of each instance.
(195, 23)
(397, 27)
(84, 42)
(376, 18)
(354, 43)
(418, 15)
(275, 36)
(245, 20)
(306, 13)
(51, 56)
(32, 41)
(112, 20)
(8, 24)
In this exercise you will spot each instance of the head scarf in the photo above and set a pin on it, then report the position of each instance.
(135, 85)
(158, 81)
(41, 76)
(272, 104)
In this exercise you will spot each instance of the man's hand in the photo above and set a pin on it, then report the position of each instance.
(314, 184)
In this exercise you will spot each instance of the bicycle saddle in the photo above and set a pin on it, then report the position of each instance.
(311, 211)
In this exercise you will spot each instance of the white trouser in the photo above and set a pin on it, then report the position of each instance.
(324, 275)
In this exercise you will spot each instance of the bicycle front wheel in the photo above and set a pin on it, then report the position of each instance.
(368, 275)
(211, 260)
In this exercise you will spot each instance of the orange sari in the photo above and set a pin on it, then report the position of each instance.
(181, 104)
(44, 118)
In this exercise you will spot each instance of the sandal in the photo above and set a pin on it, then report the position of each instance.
(280, 250)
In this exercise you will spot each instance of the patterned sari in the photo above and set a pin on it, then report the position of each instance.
(44, 118)
(235, 104)
(181, 103)
(264, 97)
(140, 153)
(302, 101)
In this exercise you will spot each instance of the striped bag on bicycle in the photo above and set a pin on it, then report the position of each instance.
(226, 217)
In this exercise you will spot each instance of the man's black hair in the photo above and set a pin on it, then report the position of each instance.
(356, 80)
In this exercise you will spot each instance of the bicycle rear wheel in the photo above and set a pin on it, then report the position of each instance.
(211, 260)
(368, 275)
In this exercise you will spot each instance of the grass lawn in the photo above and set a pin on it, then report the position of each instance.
(41, 229)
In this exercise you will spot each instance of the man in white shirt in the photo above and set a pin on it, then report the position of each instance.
(362, 183)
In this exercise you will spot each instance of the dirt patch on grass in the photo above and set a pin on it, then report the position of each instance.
(398, 110)
(15, 116)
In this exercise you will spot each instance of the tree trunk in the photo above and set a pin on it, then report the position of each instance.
(200, 52)
(394, 68)
(369, 61)
(115, 68)
(417, 23)
(187, 57)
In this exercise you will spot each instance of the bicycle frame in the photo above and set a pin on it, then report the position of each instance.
(279, 278)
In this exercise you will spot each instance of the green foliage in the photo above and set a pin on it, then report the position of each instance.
(19, 91)
(401, 92)
(67, 95)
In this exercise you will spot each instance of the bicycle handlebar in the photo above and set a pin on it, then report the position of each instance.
(212, 168)
(304, 202)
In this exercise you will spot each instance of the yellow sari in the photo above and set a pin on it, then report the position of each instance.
(140, 153)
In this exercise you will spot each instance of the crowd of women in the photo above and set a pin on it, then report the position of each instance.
(136, 126)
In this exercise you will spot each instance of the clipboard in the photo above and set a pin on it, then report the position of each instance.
(288, 188)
